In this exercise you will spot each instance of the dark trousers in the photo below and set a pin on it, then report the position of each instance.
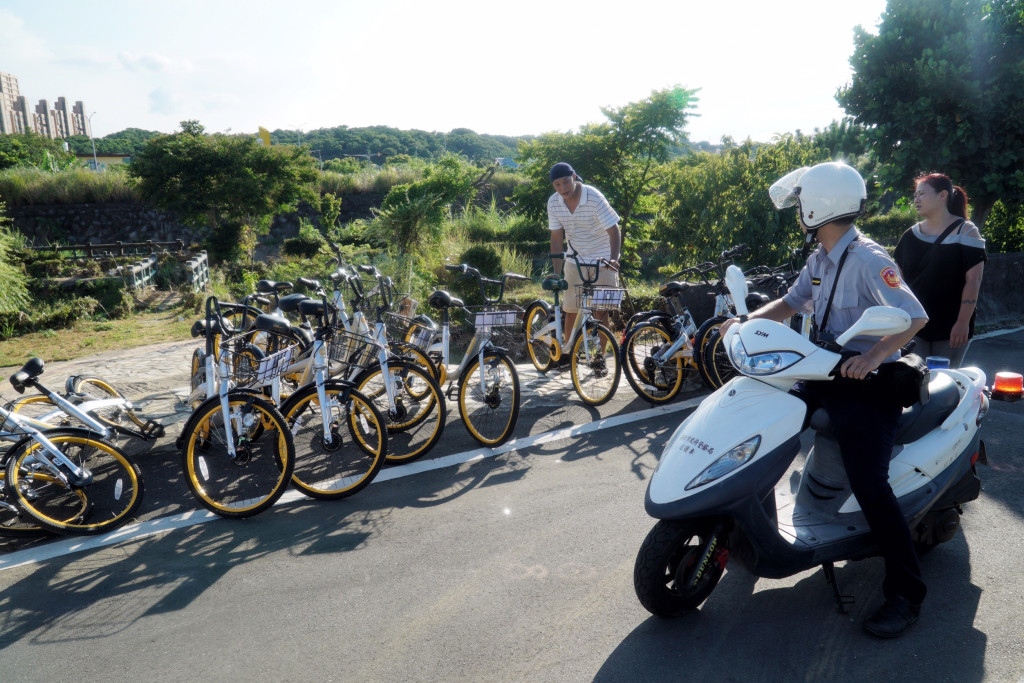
(865, 420)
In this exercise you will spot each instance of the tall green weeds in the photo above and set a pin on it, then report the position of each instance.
(28, 185)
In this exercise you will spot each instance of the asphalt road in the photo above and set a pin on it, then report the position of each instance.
(516, 566)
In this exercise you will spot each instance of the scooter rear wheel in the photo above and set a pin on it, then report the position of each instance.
(667, 578)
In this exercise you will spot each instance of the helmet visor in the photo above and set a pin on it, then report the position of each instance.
(784, 191)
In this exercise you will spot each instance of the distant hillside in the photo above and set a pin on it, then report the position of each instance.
(375, 143)
(380, 142)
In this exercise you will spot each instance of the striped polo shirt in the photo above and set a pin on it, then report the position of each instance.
(587, 227)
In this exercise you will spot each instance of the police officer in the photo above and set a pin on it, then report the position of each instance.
(845, 275)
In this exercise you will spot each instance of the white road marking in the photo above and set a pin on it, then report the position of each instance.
(140, 530)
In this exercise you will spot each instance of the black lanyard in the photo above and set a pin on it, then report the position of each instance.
(832, 294)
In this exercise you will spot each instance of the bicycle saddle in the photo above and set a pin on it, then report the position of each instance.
(675, 287)
(290, 303)
(30, 370)
(554, 284)
(442, 299)
(271, 286)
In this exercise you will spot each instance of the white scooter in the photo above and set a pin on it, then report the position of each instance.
(718, 489)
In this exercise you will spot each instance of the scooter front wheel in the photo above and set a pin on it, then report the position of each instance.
(678, 566)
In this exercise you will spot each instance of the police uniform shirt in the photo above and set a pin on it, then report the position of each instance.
(868, 278)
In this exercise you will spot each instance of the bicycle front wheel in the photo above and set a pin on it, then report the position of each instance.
(716, 361)
(348, 462)
(489, 404)
(595, 364)
(654, 381)
(416, 419)
(109, 496)
(257, 474)
(700, 344)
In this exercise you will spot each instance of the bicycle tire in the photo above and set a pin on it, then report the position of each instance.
(98, 389)
(490, 417)
(265, 455)
(595, 378)
(38, 406)
(542, 352)
(700, 341)
(414, 354)
(13, 524)
(113, 493)
(417, 421)
(716, 358)
(653, 382)
(338, 469)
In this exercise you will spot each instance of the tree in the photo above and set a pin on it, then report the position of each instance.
(940, 89)
(621, 157)
(714, 201)
(411, 215)
(231, 184)
(31, 149)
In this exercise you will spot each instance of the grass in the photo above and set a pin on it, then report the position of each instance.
(87, 337)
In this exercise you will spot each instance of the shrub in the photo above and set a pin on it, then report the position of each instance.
(307, 244)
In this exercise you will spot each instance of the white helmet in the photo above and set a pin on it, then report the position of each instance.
(824, 193)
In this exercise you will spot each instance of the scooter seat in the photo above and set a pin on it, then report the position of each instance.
(918, 419)
(673, 288)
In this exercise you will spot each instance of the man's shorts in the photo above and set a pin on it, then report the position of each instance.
(606, 276)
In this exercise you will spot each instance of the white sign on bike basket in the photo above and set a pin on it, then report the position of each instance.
(274, 364)
(603, 297)
(488, 319)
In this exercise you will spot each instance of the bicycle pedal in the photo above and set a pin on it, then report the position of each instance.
(152, 430)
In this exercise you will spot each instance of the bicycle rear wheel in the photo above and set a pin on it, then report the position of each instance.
(258, 474)
(490, 407)
(357, 448)
(14, 524)
(595, 364)
(120, 415)
(542, 350)
(655, 382)
(109, 499)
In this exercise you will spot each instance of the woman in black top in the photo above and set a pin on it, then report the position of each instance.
(942, 259)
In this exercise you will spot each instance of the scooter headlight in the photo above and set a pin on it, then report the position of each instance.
(760, 363)
(727, 462)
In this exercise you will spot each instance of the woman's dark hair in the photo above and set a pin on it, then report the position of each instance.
(956, 198)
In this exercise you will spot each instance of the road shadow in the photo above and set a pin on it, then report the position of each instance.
(795, 633)
(101, 592)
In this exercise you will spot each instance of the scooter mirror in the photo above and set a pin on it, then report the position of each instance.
(736, 281)
(877, 321)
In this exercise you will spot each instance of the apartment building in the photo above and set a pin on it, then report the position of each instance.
(54, 122)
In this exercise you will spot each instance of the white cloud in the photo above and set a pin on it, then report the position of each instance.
(18, 42)
(157, 63)
(162, 102)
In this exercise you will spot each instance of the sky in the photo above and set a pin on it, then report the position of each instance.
(506, 68)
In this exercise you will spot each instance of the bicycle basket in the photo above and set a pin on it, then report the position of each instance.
(350, 351)
(257, 357)
(598, 297)
(403, 329)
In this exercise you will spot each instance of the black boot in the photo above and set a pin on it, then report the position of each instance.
(893, 618)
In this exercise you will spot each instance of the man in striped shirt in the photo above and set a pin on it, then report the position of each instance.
(591, 226)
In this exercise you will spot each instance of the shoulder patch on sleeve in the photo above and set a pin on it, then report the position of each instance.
(891, 277)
